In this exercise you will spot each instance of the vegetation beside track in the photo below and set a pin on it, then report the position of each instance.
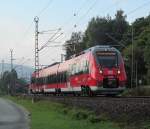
(139, 91)
(50, 115)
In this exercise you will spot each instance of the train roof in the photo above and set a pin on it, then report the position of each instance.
(101, 48)
(97, 47)
(92, 49)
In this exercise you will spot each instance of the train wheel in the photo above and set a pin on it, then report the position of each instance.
(83, 91)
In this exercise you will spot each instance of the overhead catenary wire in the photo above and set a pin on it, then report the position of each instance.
(46, 6)
(69, 20)
(108, 8)
(130, 12)
(89, 9)
(86, 13)
(75, 14)
(50, 41)
(133, 10)
(47, 31)
(51, 38)
(139, 7)
(38, 14)
(22, 63)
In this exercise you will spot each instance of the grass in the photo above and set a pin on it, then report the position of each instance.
(49, 115)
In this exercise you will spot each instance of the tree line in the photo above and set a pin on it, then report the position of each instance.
(131, 39)
(11, 84)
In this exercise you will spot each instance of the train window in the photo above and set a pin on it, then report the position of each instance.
(32, 80)
(40, 81)
(52, 79)
(65, 77)
(87, 67)
(73, 69)
(69, 70)
(55, 78)
(44, 80)
(82, 66)
(49, 79)
(79, 68)
(62, 74)
(107, 59)
(61, 77)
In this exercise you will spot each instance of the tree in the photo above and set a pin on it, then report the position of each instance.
(74, 45)
(9, 83)
(96, 32)
(106, 31)
(120, 24)
(141, 55)
(146, 36)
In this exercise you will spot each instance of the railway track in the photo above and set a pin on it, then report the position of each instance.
(85, 100)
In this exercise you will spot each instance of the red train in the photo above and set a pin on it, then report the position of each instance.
(97, 70)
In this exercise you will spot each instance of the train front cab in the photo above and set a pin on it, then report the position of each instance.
(110, 72)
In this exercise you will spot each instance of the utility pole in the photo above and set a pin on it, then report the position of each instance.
(36, 20)
(11, 58)
(2, 68)
(12, 82)
(132, 61)
(136, 71)
(63, 57)
(22, 71)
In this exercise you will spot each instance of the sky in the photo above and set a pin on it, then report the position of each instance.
(17, 25)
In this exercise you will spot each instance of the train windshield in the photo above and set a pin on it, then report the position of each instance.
(107, 59)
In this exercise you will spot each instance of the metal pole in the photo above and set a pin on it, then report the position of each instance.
(136, 74)
(11, 58)
(63, 57)
(2, 68)
(36, 20)
(12, 83)
(132, 61)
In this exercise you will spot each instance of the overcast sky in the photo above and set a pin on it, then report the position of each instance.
(17, 26)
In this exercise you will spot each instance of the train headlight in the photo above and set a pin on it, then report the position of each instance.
(100, 71)
(118, 72)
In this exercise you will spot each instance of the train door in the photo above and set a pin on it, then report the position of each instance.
(69, 78)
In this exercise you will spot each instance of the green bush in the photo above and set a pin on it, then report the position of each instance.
(79, 114)
(139, 91)
(95, 119)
